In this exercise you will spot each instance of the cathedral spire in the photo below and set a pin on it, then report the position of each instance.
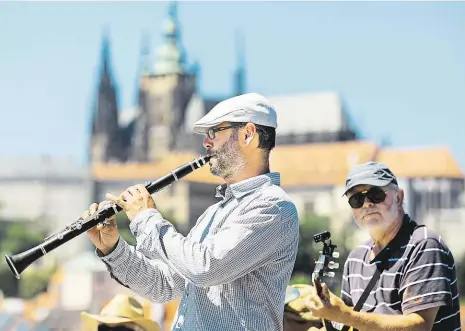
(144, 65)
(170, 58)
(145, 54)
(105, 118)
(239, 72)
(105, 65)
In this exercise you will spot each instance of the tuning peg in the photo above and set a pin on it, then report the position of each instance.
(329, 274)
(333, 265)
(336, 255)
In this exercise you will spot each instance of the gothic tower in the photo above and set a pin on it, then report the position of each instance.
(138, 144)
(164, 96)
(104, 137)
(239, 79)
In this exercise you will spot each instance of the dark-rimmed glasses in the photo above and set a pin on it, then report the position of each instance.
(374, 194)
(211, 132)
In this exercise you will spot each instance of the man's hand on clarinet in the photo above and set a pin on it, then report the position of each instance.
(134, 200)
(103, 236)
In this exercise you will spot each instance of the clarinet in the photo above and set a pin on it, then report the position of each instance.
(21, 261)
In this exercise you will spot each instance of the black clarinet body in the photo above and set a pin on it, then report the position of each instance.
(19, 262)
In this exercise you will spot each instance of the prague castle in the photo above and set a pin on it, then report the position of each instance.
(169, 103)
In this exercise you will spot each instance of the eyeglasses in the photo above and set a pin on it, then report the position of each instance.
(374, 194)
(211, 133)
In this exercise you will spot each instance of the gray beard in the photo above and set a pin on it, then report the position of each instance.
(228, 161)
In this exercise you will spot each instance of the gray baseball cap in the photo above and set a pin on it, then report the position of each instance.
(370, 173)
(249, 107)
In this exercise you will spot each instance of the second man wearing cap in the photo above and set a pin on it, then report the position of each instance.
(417, 285)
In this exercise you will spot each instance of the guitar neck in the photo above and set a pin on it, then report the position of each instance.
(323, 265)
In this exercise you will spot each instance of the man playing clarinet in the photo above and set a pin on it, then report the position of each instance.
(232, 269)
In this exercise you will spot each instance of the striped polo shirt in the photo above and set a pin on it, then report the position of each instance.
(419, 273)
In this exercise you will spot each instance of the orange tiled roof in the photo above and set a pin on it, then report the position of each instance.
(319, 164)
(421, 162)
(303, 165)
(311, 164)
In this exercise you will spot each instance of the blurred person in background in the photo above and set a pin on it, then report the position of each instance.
(417, 289)
(122, 313)
(233, 268)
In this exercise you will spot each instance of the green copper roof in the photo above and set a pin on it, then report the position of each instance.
(169, 56)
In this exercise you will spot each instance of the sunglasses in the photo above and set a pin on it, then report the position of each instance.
(374, 194)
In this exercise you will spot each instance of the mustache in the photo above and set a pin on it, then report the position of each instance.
(212, 153)
(369, 211)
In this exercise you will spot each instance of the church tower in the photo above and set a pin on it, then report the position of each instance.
(104, 136)
(164, 95)
(138, 143)
(239, 86)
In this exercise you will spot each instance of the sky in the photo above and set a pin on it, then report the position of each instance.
(400, 66)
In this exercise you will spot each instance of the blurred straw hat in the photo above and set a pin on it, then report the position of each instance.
(121, 309)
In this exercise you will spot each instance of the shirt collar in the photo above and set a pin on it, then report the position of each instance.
(247, 186)
(402, 237)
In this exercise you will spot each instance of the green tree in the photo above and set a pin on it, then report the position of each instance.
(308, 251)
(16, 237)
(20, 236)
(300, 278)
(35, 281)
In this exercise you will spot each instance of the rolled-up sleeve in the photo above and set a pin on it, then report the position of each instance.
(152, 279)
(241, 245)
(428, 277)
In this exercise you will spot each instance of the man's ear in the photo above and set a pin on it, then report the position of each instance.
(400, 196)
(250, 131)
(248, 138)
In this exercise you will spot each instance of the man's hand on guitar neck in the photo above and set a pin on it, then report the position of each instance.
(331, 307)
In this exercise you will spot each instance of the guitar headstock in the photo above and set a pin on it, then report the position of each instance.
(325, 261)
